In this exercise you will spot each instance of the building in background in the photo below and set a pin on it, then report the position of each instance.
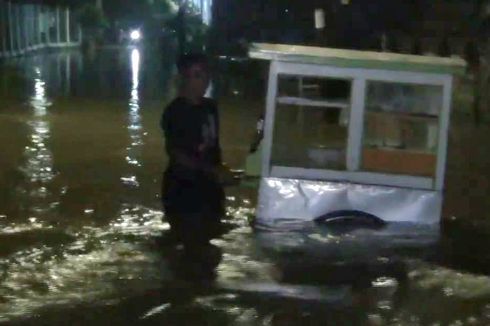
(356, 24)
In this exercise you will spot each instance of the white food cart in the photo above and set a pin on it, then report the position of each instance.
(353, 131)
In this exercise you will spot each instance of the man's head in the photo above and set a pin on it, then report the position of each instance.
(194, 71)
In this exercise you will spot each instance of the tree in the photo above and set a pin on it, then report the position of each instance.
(91, 17)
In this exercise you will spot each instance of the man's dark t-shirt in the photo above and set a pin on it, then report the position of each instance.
(188, 128)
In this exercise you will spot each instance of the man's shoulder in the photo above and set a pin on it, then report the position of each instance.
(210, 105)
(176, 108)
(209, 102)
(180, 106)
(172, 111)
(177, 102)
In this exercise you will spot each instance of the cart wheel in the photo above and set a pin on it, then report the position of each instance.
(351, 217)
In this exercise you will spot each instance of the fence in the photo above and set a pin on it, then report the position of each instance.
(29, 27)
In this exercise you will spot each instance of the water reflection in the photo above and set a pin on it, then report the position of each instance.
(38, 166)
(67, 73)
(134, 121)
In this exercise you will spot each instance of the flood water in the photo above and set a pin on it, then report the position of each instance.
(82, 238)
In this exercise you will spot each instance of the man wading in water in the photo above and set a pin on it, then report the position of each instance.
(192, 189)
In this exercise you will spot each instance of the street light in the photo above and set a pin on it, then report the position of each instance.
(135, 35)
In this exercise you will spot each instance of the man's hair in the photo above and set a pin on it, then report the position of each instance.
(185, 61)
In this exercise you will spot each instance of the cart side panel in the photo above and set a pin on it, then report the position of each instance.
(284, 202)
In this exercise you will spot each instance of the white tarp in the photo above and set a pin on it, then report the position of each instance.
(288, 202)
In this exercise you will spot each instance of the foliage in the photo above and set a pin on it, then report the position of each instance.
(137, 10)
(189, 24)
(197, 33)
(91, 17)
(163, 7)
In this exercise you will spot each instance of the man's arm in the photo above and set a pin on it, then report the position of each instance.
(184, 159)
(191, 162)
(219, 153)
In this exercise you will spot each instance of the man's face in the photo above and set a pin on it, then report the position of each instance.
(197, 79)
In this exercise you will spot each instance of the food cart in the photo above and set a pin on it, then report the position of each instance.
(353, 132)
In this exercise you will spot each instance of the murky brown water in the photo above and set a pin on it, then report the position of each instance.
(81, 227)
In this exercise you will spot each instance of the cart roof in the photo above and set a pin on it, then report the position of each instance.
(357, 59)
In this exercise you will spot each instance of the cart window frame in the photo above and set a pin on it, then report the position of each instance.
(359, 79)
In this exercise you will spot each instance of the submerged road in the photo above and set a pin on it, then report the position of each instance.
(82, 238)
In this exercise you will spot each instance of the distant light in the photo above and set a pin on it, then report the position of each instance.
(286, 11)
(319, 19)
(135, 35)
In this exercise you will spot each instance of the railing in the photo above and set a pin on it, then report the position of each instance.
(29, 27)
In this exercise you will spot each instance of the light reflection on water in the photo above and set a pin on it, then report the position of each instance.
(115, 262)
(134, 120)
(38, 165)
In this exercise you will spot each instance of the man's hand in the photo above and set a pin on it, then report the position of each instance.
(186, 160)
(201, 148)
(225, 176)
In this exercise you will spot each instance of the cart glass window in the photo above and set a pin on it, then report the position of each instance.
(401, 128)
(311, 123)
